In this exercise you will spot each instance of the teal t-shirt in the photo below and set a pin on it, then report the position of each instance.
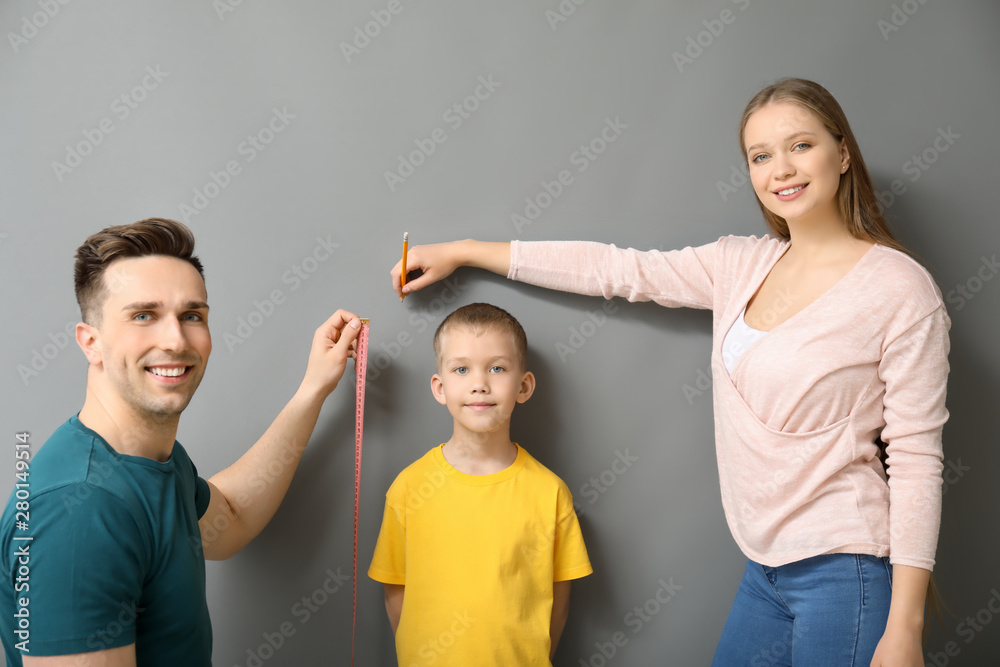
(115, 558)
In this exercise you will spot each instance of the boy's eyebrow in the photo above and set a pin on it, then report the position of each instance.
(465, 360)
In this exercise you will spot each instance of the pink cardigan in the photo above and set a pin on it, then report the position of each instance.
(796, 423)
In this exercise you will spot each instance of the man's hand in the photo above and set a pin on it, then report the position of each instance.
(332, 344)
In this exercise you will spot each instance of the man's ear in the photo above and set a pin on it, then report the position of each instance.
(87, 337)
(437, 388)
(527, 387)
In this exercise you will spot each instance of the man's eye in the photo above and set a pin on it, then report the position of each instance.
(142, 317)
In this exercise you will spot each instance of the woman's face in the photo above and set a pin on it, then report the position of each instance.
(795, 163)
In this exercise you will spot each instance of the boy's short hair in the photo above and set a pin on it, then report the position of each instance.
(153, 236)
(479, 318)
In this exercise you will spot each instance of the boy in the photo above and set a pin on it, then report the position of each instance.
(479, 541)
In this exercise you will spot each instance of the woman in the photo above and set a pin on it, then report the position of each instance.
(829, 355)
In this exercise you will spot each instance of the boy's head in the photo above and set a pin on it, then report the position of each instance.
(481, 317)
(481, 357)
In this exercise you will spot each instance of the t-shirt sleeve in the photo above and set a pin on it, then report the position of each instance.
(914, 368)
(675, 278)
(86, 571)
(202, 492)
(389, 561)
(570, 557)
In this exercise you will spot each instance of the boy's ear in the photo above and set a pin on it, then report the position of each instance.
(437, 388)
(527, 387)
(86, 338)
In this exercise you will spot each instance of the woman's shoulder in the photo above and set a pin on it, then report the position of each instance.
(899, 272)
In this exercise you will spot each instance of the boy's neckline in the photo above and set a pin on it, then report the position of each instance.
(485, 478)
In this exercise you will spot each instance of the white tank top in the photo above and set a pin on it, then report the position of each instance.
(738, 340)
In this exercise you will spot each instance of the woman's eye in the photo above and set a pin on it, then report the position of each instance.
(757, 159)
(803, 145)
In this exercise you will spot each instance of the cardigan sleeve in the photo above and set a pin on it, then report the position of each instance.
(914, 368)
(676, 278)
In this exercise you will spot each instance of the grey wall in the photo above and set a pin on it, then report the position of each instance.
(904, 71)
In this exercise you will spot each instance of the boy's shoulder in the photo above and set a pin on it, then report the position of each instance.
(539, 470)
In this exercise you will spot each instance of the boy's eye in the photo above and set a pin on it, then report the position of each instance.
(461, 370)
(497, 369)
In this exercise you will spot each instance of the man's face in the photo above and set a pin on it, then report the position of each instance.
(153, 343)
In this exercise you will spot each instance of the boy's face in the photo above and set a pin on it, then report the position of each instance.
(480, 379)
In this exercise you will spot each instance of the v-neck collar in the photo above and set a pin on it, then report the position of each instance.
(744, 300)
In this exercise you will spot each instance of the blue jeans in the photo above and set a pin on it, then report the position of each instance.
(824, 611)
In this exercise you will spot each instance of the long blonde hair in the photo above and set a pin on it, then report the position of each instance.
(856, 198)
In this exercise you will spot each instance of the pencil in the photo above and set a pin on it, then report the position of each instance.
(402, 275)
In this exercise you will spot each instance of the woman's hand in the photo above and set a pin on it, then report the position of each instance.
(438, 261)
(898, 648)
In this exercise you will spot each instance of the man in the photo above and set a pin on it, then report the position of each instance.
(120, 523)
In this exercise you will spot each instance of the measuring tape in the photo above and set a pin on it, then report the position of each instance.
(360, 370)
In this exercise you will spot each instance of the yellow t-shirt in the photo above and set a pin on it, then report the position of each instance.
(478, 555)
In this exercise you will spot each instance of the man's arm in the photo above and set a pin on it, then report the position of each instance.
(394, 604)
(246, 494)
(560, 612)
(123, 656)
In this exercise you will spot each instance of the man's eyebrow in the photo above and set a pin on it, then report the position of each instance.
(155, 305)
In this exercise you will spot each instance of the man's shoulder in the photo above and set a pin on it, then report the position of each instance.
(63, 460)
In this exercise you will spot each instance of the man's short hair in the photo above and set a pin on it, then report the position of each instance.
(482, 317)
(153, 236)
